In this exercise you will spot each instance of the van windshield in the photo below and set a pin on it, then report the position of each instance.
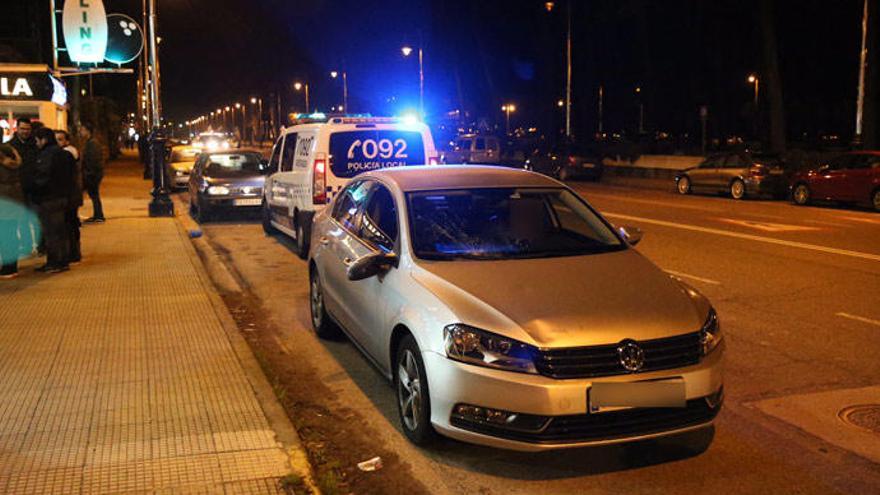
(353, 152)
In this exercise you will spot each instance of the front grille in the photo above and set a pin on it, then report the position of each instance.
(602, 360)
(604, 426)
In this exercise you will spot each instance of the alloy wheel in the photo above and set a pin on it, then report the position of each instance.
(737, 189)
(684, 185)
(409, 390)
(801, 194)
(316, 301)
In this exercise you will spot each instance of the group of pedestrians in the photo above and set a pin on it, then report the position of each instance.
(42, 179)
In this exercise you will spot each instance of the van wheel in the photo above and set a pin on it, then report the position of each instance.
(302, 236)
(268, 228)
(801, 195)
(737, 189)
(413, 399)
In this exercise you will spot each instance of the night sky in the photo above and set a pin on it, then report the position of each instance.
(480, 54)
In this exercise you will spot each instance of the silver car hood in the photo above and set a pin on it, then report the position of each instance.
(567, 301)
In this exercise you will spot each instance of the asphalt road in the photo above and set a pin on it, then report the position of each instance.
(798, 293)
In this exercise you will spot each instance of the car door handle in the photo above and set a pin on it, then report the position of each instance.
(325, 240)
(346, 261)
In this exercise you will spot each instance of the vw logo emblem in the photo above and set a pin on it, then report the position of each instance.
(631, 356)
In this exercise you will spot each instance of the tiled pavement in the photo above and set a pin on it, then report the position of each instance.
(119, 376)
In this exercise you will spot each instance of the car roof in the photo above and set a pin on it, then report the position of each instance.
(437, 177)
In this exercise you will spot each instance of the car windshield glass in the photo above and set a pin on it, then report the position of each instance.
(233, 164)
(505, 223)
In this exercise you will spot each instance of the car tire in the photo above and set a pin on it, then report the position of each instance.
(738, 189)
(323, 326)
(875, 199)
(684, 185)
(268, 228)
(303, 233)
(413, 397)
(801, 194)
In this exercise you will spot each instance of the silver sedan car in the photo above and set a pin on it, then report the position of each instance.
(509, 313)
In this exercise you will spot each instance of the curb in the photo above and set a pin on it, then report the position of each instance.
(214, 276)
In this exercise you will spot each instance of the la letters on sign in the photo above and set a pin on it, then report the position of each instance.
(15, 87)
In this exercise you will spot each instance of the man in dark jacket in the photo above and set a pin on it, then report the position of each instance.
(93, 171)
(24, 143)
(76, 196)
(53, 176)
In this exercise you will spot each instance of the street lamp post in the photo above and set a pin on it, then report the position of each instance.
(241, 132)
(549, 7)
(334, 74)
(259, 102)
(407, 50)
(300, 86)
(756, 83)
(753, 79)
(641, 110)
(860, 98)
(160, 205)
(507, 109)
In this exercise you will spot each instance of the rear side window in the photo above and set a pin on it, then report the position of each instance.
(276, 156)
(734, 161)
(289, 150)
(353, 152)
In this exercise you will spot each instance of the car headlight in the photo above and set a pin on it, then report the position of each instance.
(179, 173)
(218, 190)
(470, 345)
(710, 334)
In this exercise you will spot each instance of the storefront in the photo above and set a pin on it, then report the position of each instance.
(30, 91)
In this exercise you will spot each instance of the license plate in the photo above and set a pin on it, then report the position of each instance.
(247, 202)
(661, 393)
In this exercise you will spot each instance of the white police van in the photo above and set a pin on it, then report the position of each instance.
(312, 161)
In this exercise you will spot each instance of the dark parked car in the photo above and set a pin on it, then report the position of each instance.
(851, 177)
(740, 174)
(567, 161)
(226, 181)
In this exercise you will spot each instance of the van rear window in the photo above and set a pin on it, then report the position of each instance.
(353, 152)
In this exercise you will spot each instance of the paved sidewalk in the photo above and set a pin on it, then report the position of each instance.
(123, 375)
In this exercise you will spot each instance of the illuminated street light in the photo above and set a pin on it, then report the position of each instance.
(508, 109)
(334, 74)
(406, 50)
(298, 86)
(560, 103)
(549, 6)
(753, 79)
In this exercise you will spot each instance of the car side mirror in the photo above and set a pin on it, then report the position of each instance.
(371, 264)
(631, 234)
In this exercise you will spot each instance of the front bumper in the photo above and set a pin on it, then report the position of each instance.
(564, 403)
(232, 201)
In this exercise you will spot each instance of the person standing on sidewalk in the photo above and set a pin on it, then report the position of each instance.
(71, 217)
(93, 171)
(23, 142)
(11, 209)
(52, 183)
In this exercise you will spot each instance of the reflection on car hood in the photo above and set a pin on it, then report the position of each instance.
(567, 301)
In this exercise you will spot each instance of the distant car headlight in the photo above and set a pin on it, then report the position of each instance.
(218, 190)
(710, 334)
(180, 173)
(473, 346)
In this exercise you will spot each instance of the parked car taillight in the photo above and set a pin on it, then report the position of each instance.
(319, 180)
(572, 160)
(757, 170)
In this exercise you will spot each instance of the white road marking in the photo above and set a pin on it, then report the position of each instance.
(694, 277)
(750, 237)
(866, 220)
(768, 226)
(859, 318)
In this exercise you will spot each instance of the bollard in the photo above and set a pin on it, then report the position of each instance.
(160, 205)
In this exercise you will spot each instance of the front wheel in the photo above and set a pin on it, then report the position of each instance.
(413, 399)
(737, 189)
(801, 195)
(684, 185)
(268, 228)
(321, 323)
